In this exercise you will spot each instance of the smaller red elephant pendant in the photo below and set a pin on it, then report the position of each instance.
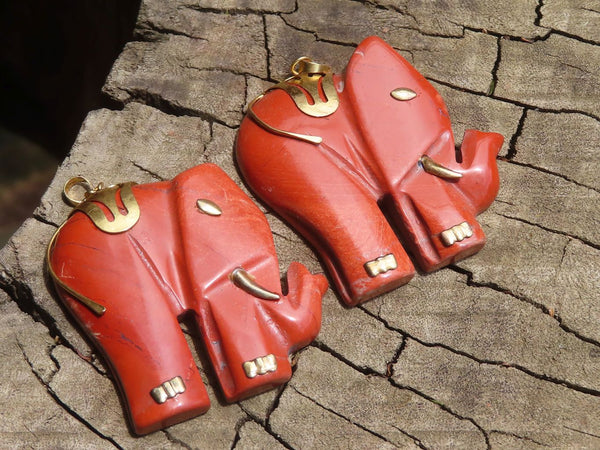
(133, 259)
(330, 152)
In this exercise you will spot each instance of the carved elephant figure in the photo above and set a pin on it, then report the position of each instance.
(200, 247)
(330, 152)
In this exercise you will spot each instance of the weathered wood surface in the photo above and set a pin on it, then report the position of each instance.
(499, 351)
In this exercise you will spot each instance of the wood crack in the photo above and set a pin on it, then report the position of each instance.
(267, 424)
(21, 294)
(145, 31)
(316, 36)
(62, 404)
(512, 145)
(549, 172)
(590, 10)
(494, 81)
(525, 299)
(176, 441)
(390, 364)
(370, 372)
(538, 13)
(444, 408)
(504, 364)
(551, 230)
(236, 11)
(44, 220)
(168, 107)
(498, 288)
(267, 53)
(523, 438)
(362, 427)
(582, 432)
(238, 427)
(513, 102)
(148, 171)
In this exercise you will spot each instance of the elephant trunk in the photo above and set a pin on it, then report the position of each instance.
(480, 181)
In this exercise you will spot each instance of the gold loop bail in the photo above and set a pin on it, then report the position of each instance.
(297, 66)
(70, 184)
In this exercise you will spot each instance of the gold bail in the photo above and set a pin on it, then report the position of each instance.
(106, 196)
(68, 188)
(298, 66)
(310, 78)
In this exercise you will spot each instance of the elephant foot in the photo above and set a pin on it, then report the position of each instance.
(373, 278)
(381, 265)
(456, 233)
(454, 244)
(168, 389)
(260, 365)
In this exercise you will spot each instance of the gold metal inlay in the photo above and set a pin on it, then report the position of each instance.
(403, 94)
(438, 170)
(168, 389)
(260, 366)
(312, 79)
(312, 90)
(95, 307)
(246, 282)
(107, 197)
(456, 234)
(381, 265)
(119, 223)
(316, 140)
(208, 207)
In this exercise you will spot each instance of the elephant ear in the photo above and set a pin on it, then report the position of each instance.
(399, 112)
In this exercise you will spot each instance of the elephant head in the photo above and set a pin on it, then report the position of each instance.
(133, 259)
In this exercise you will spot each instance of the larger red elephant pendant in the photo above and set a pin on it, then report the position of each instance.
(133, 259)
(330, 152)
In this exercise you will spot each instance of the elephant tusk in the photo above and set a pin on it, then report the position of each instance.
(438, 170)
(245, 282)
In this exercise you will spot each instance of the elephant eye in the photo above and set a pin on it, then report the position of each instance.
(403, 94)
(208, 207)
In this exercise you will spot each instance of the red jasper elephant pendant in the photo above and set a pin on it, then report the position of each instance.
(330, 152)
(132, 259)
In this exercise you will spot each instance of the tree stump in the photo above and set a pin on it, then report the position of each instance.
(500, 350)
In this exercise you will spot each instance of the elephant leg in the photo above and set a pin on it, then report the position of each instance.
(332, 209)
(138, 334)
(249, 339)
(239, 342)
(150, 359)
(437, 221)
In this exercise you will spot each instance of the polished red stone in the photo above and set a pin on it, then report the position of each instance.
(334, 192)
(175, 262)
